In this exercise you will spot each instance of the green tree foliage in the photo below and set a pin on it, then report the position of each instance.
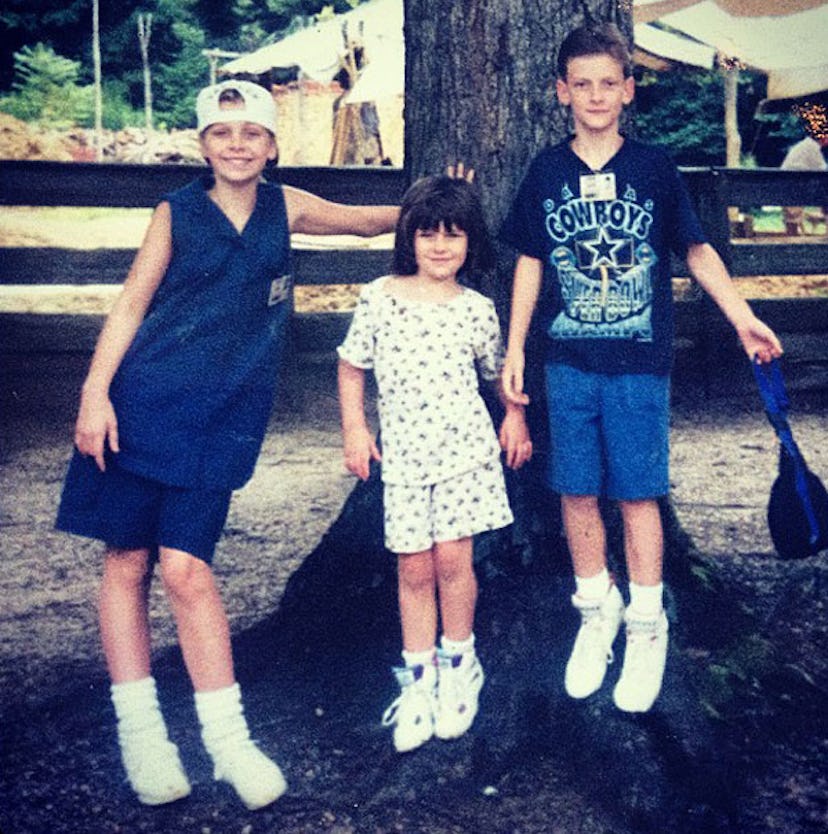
(176, 83)
(45, 89)
(682, 110)
(181, 30)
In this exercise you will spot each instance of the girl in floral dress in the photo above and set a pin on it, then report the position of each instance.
(428, 338)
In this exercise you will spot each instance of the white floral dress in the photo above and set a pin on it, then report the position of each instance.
(426, 357)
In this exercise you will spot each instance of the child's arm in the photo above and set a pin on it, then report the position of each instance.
(360, 447)
(514, 434)
(312, 215)
(97, 423)
(527, 282)
(758, 340)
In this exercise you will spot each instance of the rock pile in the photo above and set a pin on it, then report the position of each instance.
(24, 140)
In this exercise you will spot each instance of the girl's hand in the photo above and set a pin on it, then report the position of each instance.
(96, 427)
(360, 450)
(514, 438)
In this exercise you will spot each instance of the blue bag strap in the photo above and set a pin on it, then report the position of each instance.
(772, 388)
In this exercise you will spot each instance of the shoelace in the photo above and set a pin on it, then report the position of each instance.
(641, 640)
(409, 693)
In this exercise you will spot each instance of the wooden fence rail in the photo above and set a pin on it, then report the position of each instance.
(704, 346)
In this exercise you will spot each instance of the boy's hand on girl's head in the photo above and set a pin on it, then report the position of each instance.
(460, 172)
(514, 438)
(360, 450)
(96, 427)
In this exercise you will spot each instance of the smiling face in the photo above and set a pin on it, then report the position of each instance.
(440, 253)
(237, 151)
(597, 91)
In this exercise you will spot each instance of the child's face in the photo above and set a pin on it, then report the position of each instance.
(237, 150)
(440, 253)
(596, 90)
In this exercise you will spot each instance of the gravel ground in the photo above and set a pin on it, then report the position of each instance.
(723, 463)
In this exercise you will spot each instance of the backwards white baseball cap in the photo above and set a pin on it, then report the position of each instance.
(258, 105)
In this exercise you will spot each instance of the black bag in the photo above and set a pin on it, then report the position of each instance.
(798, 505)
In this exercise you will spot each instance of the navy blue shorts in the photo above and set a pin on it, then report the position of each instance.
(609, 434)
(129, 512)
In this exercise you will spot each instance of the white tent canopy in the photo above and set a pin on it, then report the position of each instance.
(675, 48)
(319, 50)
(786, 39)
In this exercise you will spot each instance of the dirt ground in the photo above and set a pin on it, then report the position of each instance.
(723, 462)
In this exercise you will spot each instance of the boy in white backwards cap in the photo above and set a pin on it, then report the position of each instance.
(172, 415)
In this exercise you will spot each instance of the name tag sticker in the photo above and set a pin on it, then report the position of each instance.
(279, 290)
(598, 187)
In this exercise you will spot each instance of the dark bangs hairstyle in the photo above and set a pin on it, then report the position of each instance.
(595, 39)
(431, 201)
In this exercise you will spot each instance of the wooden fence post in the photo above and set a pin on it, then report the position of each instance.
(714, 214)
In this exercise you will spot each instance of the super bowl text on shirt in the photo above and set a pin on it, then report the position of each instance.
(604, 264)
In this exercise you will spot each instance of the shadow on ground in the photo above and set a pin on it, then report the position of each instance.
(315, 677)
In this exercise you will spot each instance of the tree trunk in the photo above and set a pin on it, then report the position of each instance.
(733, 141)
(144, 35)
(479, 82)
(96, 60)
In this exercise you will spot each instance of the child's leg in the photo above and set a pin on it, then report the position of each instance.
(411, 714)
(596, 597)
(122, 611)
(204, 636)
(457, 587)
(150, 759)
(203, 630)
(418, 600)
(647, 627)
(460, 675)
(643, 542)
(585, 534)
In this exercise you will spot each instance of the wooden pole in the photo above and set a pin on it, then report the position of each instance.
(96, 61)
(144, 35)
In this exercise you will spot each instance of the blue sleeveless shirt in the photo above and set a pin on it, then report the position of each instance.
(195, 389)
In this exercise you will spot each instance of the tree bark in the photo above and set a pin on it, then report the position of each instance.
(144, 35)
(480, 81)
(96, 61)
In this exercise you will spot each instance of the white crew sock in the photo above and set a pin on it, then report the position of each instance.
(137, 709)
(222, 720)
(455, 647)
(425, 658)
(646, 600)
(236, 759)
(150, 759)
(593, 587)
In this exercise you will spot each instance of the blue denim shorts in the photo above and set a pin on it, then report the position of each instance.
(129, 512)
(609, 434)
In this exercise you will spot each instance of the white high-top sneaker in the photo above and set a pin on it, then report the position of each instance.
(592, 652)
(411, 714)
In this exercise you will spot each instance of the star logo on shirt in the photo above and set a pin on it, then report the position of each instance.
(601, 250)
